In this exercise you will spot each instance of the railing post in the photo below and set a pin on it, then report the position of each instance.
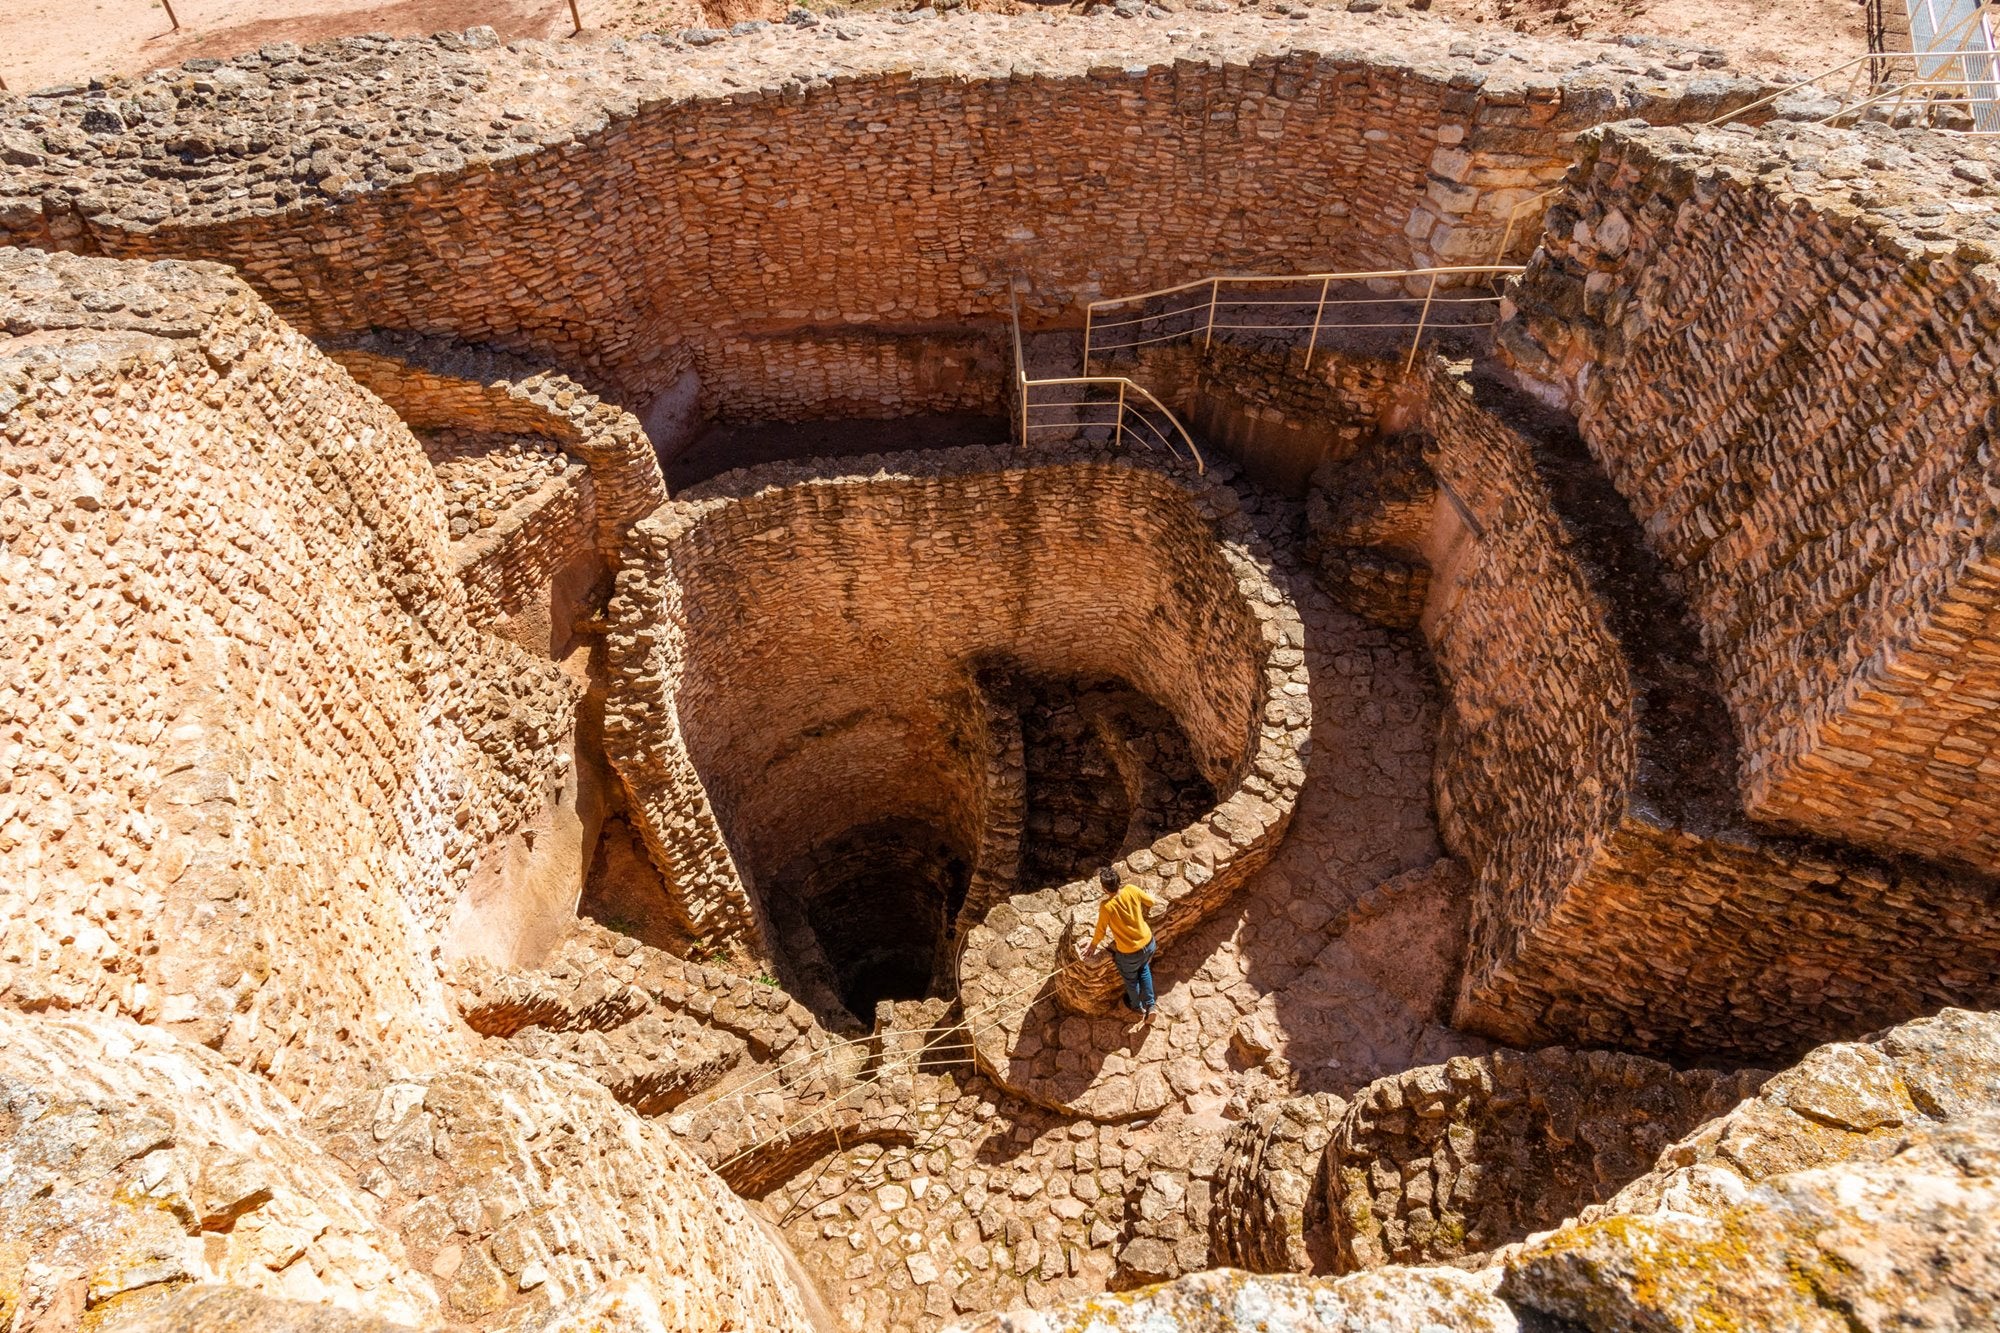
(1089, 315)
(1119, 441)
(1022, 376)
(1313, 341)
(1422, 317)
(1214, 290)
(1507, 235)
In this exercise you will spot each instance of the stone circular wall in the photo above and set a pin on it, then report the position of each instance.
(797, 651)
(784, 222)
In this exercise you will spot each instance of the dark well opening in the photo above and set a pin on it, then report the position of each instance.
(877, 900)
(1108, 771)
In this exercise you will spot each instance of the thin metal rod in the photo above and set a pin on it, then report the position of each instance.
(1514, 216)
(1952, 35)
(1294, 328)
(576, 19)
(1728, 116)
(1443, 270)
(168, 5)
(1412, 360)
(1140, 319)
(1020, 363)
(1318, 313)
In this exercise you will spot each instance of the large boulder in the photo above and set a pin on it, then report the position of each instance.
(132, 1161)
(1859, 1190)
(145, 1181)
(521, 1185)
(1910, 1240)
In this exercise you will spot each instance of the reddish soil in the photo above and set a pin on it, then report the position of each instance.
(1760, 36)
(44, 42)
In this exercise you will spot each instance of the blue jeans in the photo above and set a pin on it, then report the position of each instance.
(1137, 969)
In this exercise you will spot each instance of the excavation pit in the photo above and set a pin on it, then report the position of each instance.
(858, 703)
(875, 902)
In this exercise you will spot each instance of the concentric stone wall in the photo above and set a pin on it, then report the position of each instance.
(256, 752)
(1585, 762)
(795, 647)
(1782, 347)
(1583, 772)
(435, 383)
(738, 208)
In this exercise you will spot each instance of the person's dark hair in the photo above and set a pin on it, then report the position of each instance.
(1107, 878)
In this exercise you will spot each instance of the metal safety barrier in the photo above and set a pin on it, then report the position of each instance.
(1126, 408)
(1318, 305)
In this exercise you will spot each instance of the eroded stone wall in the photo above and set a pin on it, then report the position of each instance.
(1456, 1160)
(436, 383)
(255, 752)
(1585, 759)
(1623, 899)
(631, 212)
(795, 647)
(1782, 347)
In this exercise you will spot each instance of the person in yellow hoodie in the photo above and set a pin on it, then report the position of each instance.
(1122, 915)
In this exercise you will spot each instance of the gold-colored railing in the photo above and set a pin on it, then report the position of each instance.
(1128, 409)
(1208, 306)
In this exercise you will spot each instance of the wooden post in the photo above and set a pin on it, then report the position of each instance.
(1214, 288)
(168, 5)
(1118, 442)
(576, 19)
(1089, 314)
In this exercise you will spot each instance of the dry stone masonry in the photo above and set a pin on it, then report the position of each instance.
(1832, 530)
(656, 210)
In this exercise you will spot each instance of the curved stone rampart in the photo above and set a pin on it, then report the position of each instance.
(631, 212)
(434, 382)
(1791, 380)
(750, 717)
(1022, 961)
(251, 716)
(1623, 895)
(1443, 1163)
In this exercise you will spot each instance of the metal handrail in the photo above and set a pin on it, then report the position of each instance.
(1216, 303)
(1122, 409)
(1514, 217)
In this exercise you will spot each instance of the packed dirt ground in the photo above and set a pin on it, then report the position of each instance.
(48, 42)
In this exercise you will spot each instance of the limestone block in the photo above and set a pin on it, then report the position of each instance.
(133, 1160)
